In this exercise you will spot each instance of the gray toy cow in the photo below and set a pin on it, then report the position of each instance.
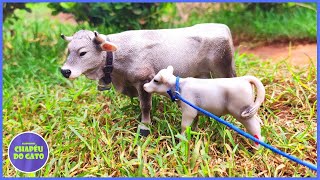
(132, 58)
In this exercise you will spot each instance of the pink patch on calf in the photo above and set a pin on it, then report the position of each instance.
(256, 136)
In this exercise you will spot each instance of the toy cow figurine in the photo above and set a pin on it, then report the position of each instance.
(220, 96)
(130, 59)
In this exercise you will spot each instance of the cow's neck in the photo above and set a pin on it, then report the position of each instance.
(96, 73)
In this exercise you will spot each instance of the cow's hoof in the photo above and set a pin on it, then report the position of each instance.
(144, 132)
(176, 140)
(103, 88)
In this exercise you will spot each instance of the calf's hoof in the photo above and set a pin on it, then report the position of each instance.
(257, 145)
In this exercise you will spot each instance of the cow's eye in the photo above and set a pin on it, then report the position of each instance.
(83, 53)
(156, 81)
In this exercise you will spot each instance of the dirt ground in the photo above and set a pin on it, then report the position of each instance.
(300, 54)
(65, 18)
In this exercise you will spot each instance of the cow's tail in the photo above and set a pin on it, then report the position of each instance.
(251, 110)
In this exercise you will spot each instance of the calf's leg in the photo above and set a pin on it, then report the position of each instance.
(188, 115)
(253, 127)
(195, 123)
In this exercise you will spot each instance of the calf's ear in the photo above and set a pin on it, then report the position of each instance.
(170, 69)
(108, 46)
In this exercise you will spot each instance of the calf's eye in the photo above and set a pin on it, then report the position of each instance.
(83, 53)
(156, 81)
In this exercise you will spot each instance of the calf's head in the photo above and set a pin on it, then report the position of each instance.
(161, 82)
(86, 54)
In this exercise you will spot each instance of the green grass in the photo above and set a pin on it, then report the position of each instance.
(93, 133)
(298, 22)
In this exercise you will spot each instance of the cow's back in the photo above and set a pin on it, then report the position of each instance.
(210, 30)
(191, 50)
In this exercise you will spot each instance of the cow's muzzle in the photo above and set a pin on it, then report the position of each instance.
(65, 72)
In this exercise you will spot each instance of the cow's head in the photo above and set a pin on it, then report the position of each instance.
(86, 54)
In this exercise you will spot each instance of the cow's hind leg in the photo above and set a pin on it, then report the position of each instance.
(225, 69)
(145, 105)
(225, 66)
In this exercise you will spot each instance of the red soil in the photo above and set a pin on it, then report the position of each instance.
(300, 54)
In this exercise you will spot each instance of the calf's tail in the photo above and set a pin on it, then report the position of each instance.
(251, 110)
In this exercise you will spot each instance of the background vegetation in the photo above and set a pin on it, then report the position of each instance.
(93, 133)
(266, 22)
(117, 16)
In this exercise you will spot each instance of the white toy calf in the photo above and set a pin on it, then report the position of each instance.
(220, 96)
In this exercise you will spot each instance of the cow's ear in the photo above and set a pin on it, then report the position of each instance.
(108, 46)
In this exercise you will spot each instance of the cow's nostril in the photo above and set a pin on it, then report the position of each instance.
(66, 72)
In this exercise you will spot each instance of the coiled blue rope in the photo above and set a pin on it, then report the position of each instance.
(247, 135)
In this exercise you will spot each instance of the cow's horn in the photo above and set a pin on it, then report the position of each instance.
(98, 38)
(67, 38)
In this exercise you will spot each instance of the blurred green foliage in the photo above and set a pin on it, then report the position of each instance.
(277, 6)
(266, 22)
(8, 9)
(119, 16)
(263, 22)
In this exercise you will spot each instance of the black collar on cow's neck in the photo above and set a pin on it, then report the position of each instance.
(107, 70)
(105, 81)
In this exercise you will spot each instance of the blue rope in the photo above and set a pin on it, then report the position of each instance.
(172, 96)
(249, 136)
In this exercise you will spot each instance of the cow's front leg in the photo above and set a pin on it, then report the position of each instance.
(145, 106)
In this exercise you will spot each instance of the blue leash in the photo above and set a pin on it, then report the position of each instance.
(247, 135)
